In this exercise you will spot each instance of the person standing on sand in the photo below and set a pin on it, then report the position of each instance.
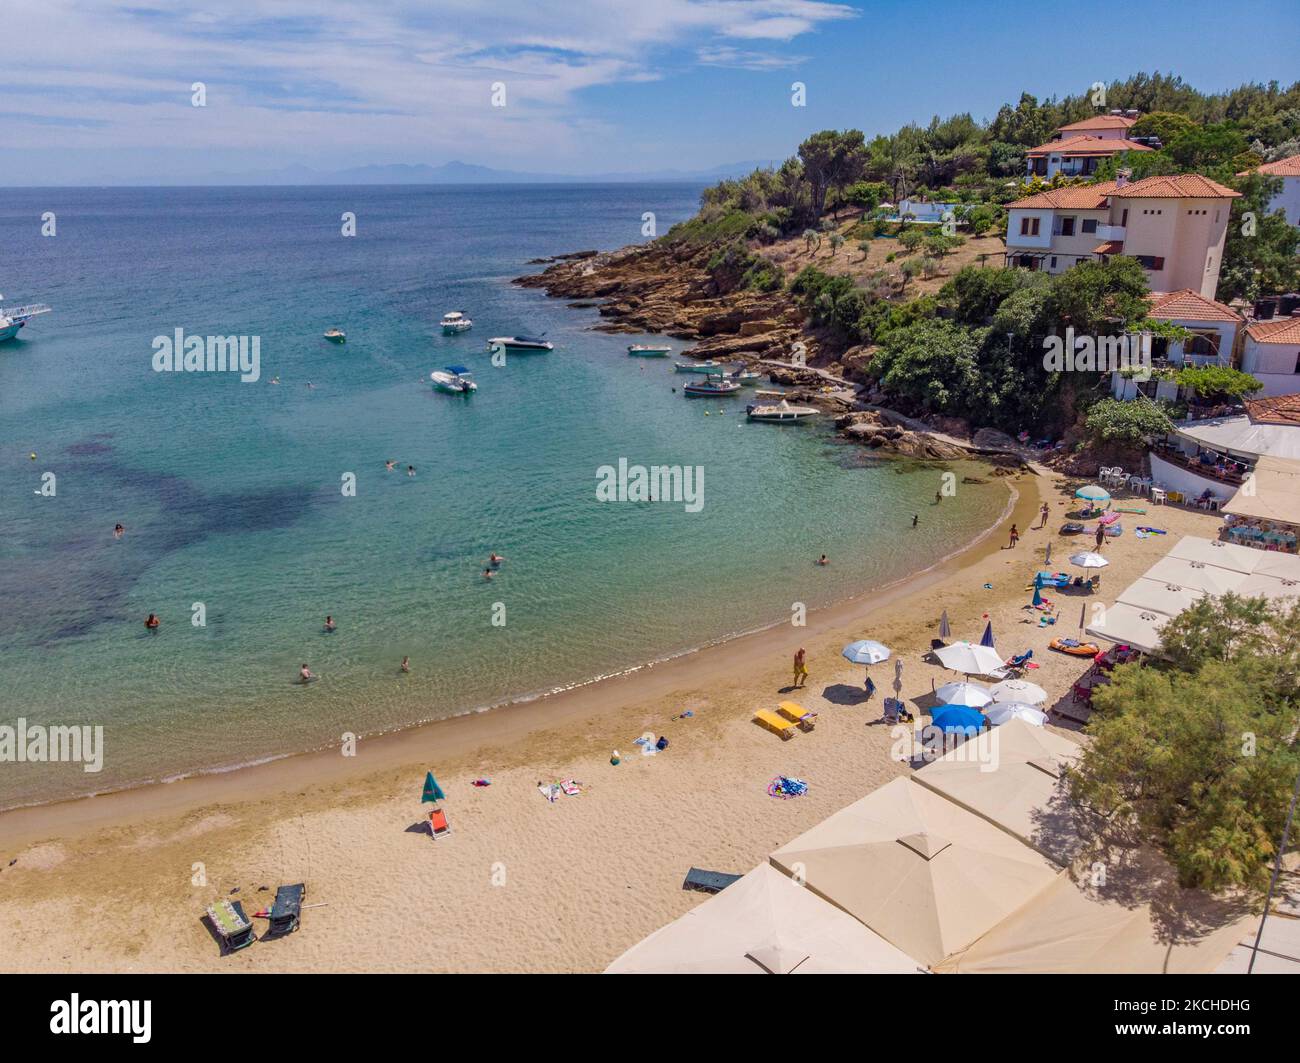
(800, 669)
(1043, 514)
(1101, 535)
(1015, 536)
(938, 497)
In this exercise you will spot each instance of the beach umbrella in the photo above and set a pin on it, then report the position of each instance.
(1093, 493)
(898, 675)
(1018, 690)
(950, 718)
(865, 651)
(1047, 557)
(963, 694)
(1038, 597)
(945, 632)
(1088, 559)
(987, 638)
(1001, 711)
(432, 791)
(969, 658)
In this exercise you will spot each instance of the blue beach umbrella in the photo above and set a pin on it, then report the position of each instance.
(987, 639)
(432, 791)
(957, 718)
(1038, 597)
(1093, 493)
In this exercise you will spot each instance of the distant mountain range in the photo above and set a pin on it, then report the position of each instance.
(455, 173)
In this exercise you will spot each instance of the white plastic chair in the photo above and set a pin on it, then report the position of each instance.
(1157, 495)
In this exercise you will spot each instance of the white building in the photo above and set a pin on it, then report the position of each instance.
(1271, 354)
(1213, 325)
(1288, 200)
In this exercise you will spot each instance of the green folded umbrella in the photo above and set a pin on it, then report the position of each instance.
(432, 791)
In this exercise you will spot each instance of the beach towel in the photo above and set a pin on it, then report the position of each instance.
(1130, 510)
(571, 787)
(549, 791)
(784, 788)
(1153, 531)
(481, 782)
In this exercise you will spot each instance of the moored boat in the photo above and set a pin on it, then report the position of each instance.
(453, 379)
(13, 318)
(456, 321)
(746, 378)
(520, 343)
(649, 350)
(779, 411)
(335, 335)
(715, 385)
(697, 367)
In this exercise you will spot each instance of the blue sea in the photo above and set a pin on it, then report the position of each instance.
(233, 495)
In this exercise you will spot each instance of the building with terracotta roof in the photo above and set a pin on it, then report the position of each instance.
(1108, 126)
(1174, 226)
(1271, 354)
(1287, 200)
(1076, 156)
(1215, 331)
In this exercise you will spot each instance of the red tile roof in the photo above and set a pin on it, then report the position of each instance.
(1283, 330)
(1085, 145)
(1099, 121)
(1289, 167)
(1277, 409)
(1188, 305)
(1071, 197)
(1177, 186)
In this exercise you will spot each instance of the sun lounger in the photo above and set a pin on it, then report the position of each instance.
(286, 910)
(774, 723)
(708, 881)
(797, 715)
(438, 825)
(230, 922)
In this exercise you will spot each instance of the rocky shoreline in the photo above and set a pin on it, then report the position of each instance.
(664, 288)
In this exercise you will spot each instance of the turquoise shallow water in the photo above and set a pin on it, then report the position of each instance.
(230, 492)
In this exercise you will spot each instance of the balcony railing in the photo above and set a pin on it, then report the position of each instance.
(1168, 452)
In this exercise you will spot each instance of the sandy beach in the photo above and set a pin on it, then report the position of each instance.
(119, 882)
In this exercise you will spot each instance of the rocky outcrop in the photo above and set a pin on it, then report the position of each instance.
(873, 429)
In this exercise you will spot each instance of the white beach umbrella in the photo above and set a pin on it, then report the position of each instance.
(1018, 690)
(1088, 560)
(970, 658)
(866, 651)
(971, 694)
(1001, 711)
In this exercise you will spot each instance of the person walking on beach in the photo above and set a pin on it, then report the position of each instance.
(1043, 514)
(1101, 535)
(938, 497)
(800, 669)
(1015, 536)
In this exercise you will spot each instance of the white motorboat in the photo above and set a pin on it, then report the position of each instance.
(698, 367)
(456, 321)
(746, 378)
(335, 335)
(14, 318)
(715, 385)
(649, 350)
(779, 411)
(453, 379)
(520, 344)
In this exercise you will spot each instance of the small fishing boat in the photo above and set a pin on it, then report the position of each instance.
(648, 350)
(335, 335)
(697, 367)
(713, 386)
(520, 344)
(746, 378)
(453, 379)
(779, 411)
(456, 321)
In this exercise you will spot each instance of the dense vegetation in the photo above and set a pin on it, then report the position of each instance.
(1200, 749)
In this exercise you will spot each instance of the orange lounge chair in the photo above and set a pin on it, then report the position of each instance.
(797, 715)
(438, 825)
(775, 724)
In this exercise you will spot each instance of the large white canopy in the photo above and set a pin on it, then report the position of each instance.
(1241, 436)
(764, 923)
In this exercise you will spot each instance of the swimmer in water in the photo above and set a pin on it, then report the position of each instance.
(495, 559)
(152, 622)
(275, 380)
(823, 560)
(487, 573)
(329, 623)
(117, 531)
(410, 470)
(915, 518)
(406, 664)
(390, 465)
(305, 674)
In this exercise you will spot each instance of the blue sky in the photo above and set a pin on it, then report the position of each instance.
(93, 91)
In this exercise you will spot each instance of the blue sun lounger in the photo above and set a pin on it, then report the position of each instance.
(708, 881)
(286, 910)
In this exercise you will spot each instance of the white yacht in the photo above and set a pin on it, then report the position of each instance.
(779, 411)
(453, 379)
(649, 350)
(456, 321)
(520, 343)
(13, 318)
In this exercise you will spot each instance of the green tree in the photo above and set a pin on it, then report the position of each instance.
(1139, 421)
(1218, 382)
(932, 362)
(1259, 253)
(831, 160)
(1098, 298)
